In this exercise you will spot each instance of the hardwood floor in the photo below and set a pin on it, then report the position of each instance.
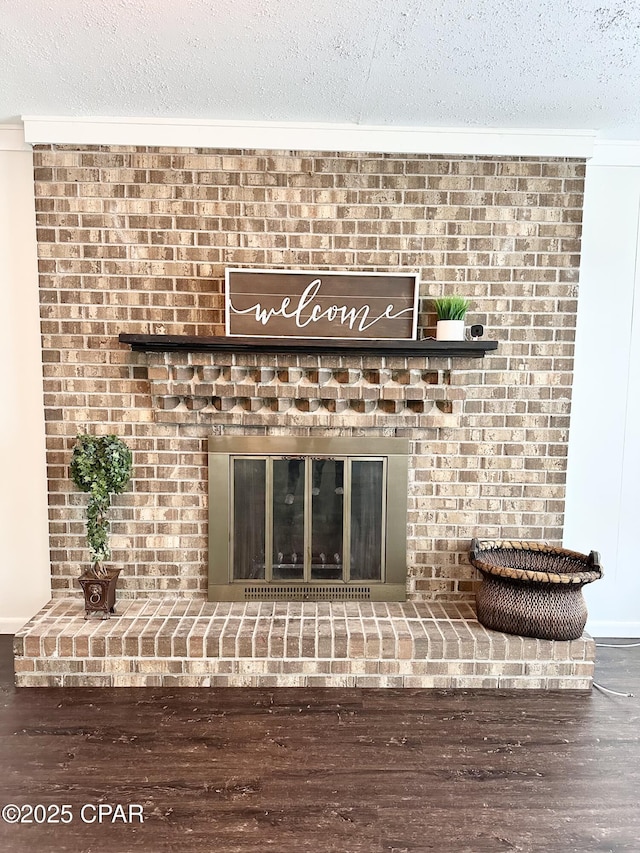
(324, 770)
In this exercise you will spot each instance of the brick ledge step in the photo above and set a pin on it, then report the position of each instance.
(181, 642)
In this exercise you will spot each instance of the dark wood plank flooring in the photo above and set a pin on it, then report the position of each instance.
(326, 770)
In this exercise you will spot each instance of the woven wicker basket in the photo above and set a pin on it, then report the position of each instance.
(531, 589)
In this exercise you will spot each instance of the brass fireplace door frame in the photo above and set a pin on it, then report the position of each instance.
(394, 452)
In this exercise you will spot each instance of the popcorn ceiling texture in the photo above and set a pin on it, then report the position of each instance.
(542, 64)
(137, 240)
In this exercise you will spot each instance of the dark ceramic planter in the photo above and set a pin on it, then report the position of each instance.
(99, 593)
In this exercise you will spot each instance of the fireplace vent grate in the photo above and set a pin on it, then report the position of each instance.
(307, 593)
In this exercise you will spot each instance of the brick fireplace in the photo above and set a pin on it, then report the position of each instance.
(137, 240)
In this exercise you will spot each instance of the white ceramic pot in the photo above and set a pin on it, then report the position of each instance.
(450, 330)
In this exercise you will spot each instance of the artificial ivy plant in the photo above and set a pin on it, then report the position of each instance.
(101, 466)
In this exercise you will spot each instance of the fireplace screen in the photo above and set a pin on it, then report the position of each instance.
(312, 519)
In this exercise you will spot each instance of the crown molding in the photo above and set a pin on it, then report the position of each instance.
(307, 136)
(12, 138)
(616, 152)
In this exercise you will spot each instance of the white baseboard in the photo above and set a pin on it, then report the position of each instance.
(627, 630)
(12, 624)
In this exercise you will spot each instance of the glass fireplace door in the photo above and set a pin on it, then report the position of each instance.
(327, 519)
(366, 519)
(248, 507)
(287, 515)
(307, 519)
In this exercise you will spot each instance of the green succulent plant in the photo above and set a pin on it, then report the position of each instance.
(100, 465)
(451, 307)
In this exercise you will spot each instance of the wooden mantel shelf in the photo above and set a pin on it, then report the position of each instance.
(198, 343)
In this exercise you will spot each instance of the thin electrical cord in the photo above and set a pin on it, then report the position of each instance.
(614, 646)
(612, 692)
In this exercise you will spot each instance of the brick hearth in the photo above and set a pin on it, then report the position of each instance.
(191, 643)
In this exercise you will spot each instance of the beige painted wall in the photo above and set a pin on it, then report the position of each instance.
(604, 451)
(24, 554)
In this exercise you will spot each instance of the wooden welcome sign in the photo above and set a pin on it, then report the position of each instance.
(301, 304)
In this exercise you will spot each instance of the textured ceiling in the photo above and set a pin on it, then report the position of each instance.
(446, 63)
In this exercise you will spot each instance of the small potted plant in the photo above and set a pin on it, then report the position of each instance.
(451, 311)
(101, 466)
